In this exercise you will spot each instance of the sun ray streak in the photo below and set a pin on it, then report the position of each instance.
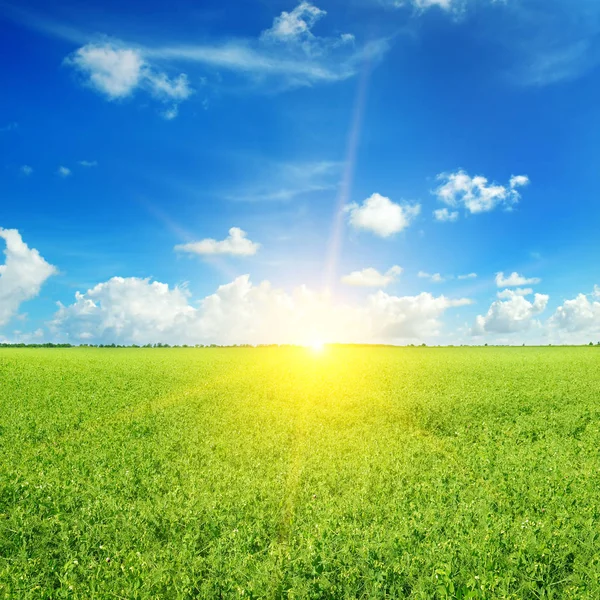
(345, 190)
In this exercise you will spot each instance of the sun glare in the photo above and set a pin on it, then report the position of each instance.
(317, 347)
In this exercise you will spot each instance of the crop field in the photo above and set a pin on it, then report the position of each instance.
(359, 472)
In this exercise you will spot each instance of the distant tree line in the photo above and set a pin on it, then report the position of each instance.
(160, 345)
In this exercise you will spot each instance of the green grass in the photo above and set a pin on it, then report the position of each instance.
(276, 473)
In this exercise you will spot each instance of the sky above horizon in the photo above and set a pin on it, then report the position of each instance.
(378, 171)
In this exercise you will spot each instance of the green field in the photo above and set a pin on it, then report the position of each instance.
(281, 473)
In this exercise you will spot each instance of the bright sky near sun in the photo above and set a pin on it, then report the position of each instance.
(279, 172)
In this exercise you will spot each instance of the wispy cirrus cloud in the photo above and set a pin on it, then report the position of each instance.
(544, 42)
(9, 127)
(288, 54)
(286, 181)
(552, 41)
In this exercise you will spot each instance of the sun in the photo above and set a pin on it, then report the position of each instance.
(317, 346)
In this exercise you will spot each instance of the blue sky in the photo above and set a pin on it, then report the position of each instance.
(288, 172)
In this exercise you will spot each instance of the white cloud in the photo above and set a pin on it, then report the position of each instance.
(168, 89)
(580, 315)
(421, 5)
(518, 181)
(117, 71)
(294, 29)
(22, 274)
(381, 216)
(371, 277)
(476, 194)
(294, 26)
(447, 5)
(88, 163)
(236, 244)
(455, 7)
(509, 316)
(515, 280)
(63, 171)
(286, 55)
(111, 70)
(171, 113)
(139, 311)
(549, 42)
(508, 294)
(468, 276)
(444, 215)
(284, 181)
(26, 170)
(434, 278)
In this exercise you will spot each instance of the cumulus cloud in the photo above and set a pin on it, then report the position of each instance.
(507, 294)
(444, 215)
(518, 181)
(468, 276)
(477, 194)
(371, 277)
(88, 163)
(294, 26)
(381, 216)
(111, 70)
(579, 315)
(22, 274)
(515, 280)
(236, 244)
(295, 29)
(26, 170)
(63, 171)
(509, 316)
(141, 311)
(116, 72)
